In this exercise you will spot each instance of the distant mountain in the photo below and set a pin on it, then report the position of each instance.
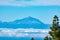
(28, 22)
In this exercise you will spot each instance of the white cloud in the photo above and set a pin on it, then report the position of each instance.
(29, 2)
(23, 32)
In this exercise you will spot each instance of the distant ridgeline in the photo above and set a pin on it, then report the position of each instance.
(55, 30)
(28, 22)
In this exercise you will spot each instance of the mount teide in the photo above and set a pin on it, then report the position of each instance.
(28, 22)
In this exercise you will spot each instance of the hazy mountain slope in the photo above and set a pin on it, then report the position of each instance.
(28, 22)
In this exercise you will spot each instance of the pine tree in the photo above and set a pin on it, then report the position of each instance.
(55, 29)
(32, 39)
(46, 38)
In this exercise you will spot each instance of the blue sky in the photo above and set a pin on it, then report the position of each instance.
(43, 10)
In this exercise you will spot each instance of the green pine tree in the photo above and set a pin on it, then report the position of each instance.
(55, 29)
(46, 38)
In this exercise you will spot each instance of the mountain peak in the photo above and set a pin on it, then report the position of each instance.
(29, 17)
(29, 20)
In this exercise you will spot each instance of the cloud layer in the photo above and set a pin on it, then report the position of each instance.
(29, 2)
(23, 32)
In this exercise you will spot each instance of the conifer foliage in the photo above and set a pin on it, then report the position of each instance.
(55, 30)
(32, 39)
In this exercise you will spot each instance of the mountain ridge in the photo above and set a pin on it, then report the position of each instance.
(28, 22)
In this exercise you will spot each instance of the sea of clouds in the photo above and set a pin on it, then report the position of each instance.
(21, 32)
